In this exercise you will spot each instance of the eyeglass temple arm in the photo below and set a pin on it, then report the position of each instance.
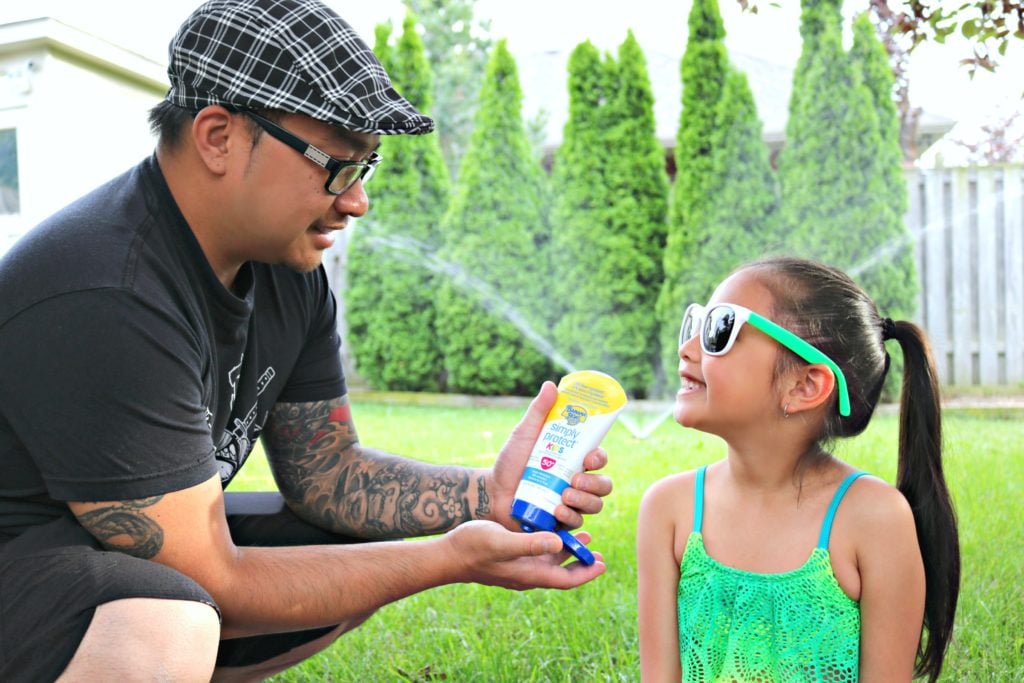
(808, 352)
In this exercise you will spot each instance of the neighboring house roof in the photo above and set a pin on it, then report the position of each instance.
(932, 123)
(50, 34)
(996, 136)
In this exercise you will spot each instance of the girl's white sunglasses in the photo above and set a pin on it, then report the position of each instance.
(719, 326)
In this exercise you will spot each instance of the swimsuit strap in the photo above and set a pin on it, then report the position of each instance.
(698, 499)
(826, 526)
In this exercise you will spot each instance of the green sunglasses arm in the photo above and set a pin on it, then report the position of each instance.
(806, 351)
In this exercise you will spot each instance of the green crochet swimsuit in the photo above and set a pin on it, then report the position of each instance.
(745, 627)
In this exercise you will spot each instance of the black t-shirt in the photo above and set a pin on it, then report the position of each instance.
(127, 369)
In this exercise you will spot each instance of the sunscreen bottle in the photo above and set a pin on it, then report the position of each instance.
(587, 405)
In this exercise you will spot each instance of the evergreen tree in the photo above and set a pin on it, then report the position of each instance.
(703, 70)
(829, 170)
(578, 176)
(640, 187)
(742, 213)
(610, 216)
(496, 232)
(816, 18)
(389, 301)
(893, 278)
(457, 47)
(383, 50)
(890, 274)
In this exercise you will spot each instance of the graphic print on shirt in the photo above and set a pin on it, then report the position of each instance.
(233, 375)
(240, 435)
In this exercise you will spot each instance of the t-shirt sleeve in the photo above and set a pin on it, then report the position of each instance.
(105, 391)
(318, 375)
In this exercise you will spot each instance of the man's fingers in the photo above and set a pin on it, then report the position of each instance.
(535, 415)
(547, 543)
(595, 459)
(596, 484)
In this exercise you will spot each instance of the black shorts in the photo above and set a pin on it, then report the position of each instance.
(52, 578)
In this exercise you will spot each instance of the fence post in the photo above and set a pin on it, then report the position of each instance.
(961, 219)
(990, 306)
(1013, 259)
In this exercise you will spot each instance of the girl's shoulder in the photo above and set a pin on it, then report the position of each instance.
(872, 500)
(871, 510)
(673, 486)
(666, 518)
(670, 499)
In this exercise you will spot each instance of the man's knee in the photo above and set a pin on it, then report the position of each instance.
(147, 639)
(286, 660)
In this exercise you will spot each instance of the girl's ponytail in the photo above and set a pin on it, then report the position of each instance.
(828, 309)
(920, 479)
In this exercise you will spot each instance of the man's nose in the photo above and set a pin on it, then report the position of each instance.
(353, 201)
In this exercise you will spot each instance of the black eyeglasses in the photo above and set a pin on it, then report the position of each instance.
(342, 173)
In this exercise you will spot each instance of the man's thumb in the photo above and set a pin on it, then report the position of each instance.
(529, 427)
(542, 543)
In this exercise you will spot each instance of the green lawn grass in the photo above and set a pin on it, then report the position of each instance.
(475, 633)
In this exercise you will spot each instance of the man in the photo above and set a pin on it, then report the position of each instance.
(153, 330)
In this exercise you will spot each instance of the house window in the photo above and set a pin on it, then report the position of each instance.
(9, 199)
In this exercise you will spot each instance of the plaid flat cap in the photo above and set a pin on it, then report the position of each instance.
(297, 56)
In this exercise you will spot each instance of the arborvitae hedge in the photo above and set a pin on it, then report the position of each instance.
(816, 17)
(577, 178)
(389, 300)
(496, 231)
(703, 69)
(892, 278)
(639, 183)
(740, 222)
(457, 47)
(608, 223)
(828, 170)
(891, 275)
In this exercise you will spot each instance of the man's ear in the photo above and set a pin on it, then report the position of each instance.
(216, 134)
(809, 387)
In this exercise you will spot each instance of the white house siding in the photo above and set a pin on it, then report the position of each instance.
(15, 88)
(79, 107)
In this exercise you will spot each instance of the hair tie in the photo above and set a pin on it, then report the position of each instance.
(888, 329)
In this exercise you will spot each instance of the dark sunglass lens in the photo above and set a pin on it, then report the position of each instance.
(717, 329)
(686, 329)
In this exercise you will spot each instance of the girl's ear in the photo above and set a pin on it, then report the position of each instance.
(809, 387)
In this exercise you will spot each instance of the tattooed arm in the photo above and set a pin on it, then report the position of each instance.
(270, 590)
(125, 526)
(333, 481)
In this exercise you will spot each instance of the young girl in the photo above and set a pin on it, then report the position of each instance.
(781, 562)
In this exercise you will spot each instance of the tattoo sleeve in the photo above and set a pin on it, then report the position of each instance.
(320, 466)
(124, 526)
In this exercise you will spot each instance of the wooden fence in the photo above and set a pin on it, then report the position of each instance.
(968, 227)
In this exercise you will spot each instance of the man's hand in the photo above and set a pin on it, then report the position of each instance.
(584, 497)
(495, 556)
